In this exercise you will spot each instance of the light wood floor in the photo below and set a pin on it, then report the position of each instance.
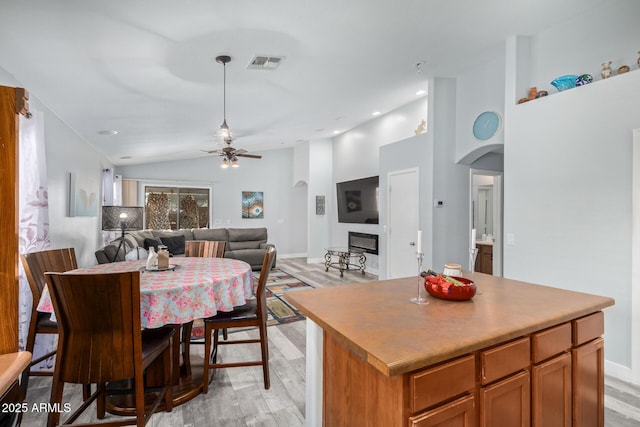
(237, 396)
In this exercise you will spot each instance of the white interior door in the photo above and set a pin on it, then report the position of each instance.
(402, 190)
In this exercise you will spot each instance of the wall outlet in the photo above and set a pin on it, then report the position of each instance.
(511, 239)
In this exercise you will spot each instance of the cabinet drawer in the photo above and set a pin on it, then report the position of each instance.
(587, 328)
(504, 360)
(459, 413)
(550, 342)
(437, 384)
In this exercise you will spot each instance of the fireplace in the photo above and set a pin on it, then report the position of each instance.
(364, 242)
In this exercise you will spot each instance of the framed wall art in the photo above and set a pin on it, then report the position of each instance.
(83, 196)
(252, 204)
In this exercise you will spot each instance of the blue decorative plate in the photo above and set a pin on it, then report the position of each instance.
(584, 79)
(565, 82)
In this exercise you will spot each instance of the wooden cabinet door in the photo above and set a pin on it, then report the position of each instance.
(588, 384)
(506, 403)
(551, 392)
(459, 413)
(484, 261)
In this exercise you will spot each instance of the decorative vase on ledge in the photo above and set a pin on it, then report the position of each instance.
(606, 70)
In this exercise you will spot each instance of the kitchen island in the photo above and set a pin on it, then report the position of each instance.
(516, 354)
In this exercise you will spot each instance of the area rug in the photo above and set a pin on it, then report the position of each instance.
(280, 311)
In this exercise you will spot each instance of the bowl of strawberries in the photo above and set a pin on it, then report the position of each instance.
(450, 287)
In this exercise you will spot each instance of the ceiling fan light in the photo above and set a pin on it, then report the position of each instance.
(225, 163)
(234, 163)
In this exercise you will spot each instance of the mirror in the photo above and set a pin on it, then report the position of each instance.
(482, 201)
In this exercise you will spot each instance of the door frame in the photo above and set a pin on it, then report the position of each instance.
(498, 208)
(635, 260)
(388, 196)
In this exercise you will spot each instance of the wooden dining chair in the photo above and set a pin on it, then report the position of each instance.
(253, 313)
(204, 248)
(35, 265)
(101, 341)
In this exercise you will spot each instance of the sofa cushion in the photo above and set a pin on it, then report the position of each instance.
(174, 244)
(188, 235)
(152, 242)
(248, 244)
(140, 236)
(210, 234)
(247, 234)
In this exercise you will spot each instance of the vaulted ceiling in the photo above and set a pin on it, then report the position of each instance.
(147, 69)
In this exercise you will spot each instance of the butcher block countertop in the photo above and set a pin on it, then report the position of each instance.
(377, 322)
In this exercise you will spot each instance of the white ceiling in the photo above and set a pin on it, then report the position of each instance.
(146, 68)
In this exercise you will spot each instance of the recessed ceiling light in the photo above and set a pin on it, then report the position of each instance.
(108, 132)
(376, 113)
(336, 132)
(421, 92)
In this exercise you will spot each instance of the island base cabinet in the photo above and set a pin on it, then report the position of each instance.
(459, 413)
(357, 394)
(551, 392)
(588, 384)
(507, 403)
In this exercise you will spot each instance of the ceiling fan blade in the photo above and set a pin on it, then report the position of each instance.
(211, 151)
(239, 151)
(251, 156)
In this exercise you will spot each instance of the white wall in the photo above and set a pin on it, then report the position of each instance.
(568, 171)
(356, 155)
(81, 233)
(320, 184)
(285, 205)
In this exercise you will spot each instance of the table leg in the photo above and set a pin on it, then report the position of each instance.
(363, 262)
(187, 382)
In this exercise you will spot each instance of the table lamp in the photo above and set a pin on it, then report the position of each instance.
(123, 218)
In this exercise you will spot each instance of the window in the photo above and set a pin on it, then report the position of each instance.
(176, 207)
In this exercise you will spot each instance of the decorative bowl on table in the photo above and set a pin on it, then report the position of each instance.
(458, 289)
(565, 82)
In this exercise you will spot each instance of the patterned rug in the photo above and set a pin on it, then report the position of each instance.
(280, 311)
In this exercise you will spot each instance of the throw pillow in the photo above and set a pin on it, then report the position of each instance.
(175, 244)
(152, 242)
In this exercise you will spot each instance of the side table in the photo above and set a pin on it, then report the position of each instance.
(340, 259)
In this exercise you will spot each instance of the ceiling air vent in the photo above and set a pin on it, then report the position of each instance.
(265, 62)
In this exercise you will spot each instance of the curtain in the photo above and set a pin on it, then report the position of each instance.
(34, 222)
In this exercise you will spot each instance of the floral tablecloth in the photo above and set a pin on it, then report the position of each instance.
(197, 288)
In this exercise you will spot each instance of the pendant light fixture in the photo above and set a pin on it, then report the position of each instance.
(224, 132)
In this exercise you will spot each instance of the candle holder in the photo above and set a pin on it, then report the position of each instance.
(473, 254)
(420, 297)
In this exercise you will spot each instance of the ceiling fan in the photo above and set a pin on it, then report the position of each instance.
(230, 155)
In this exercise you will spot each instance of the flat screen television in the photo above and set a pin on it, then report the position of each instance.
(358, 200)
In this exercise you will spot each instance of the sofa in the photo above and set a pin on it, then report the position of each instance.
(246, 244)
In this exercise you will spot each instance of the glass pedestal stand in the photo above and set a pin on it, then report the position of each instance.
(473, 254)
(420, 298)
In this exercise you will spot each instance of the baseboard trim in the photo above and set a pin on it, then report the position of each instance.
(618, 371)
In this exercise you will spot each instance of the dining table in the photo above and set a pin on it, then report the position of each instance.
(191, 288)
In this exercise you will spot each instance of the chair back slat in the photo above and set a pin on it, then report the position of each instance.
(99, 325)
(260, 291)
(204, 248)
(36, 264)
